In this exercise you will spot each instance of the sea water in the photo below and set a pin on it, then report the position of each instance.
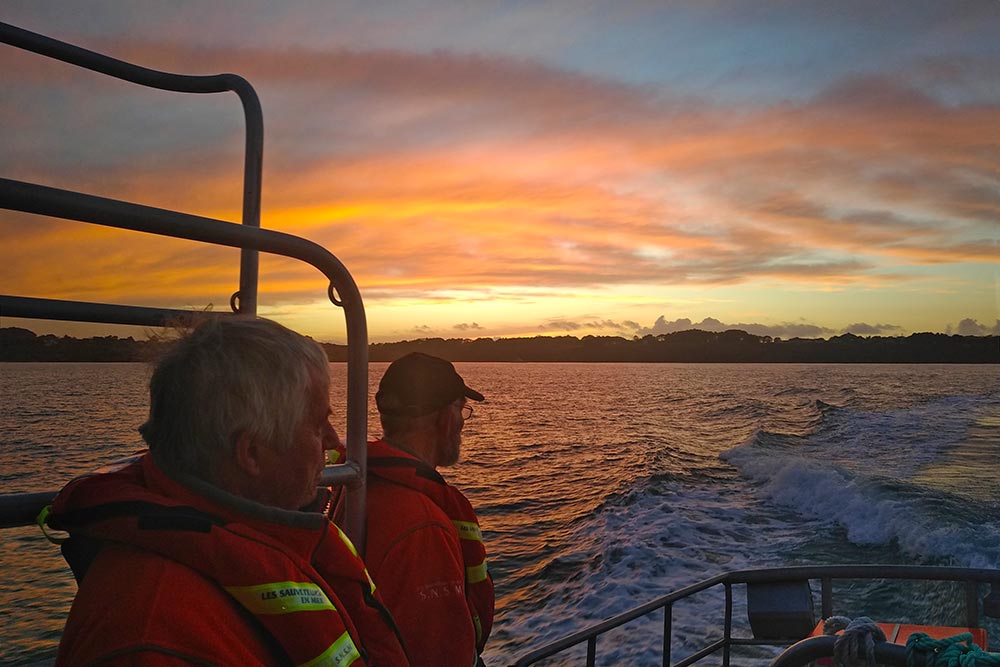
(601, 486)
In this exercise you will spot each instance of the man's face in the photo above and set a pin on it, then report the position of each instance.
(291, 475)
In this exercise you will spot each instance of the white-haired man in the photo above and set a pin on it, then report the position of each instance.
(204, 550)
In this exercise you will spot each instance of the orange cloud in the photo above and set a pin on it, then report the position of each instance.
(427, 172)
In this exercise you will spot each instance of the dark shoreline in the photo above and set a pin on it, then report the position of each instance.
(692, 346)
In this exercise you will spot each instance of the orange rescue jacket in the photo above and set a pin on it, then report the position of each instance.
(416, 517)
(292, 577)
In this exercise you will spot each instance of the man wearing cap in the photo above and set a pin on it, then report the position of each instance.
(424, 548)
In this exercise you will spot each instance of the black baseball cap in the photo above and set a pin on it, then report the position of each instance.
(418, 384)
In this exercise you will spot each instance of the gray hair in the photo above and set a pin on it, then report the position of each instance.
(231, 375)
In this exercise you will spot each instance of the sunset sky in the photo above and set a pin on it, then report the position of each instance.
(520, 168)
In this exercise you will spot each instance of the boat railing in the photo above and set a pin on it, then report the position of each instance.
(823, 576)
(18, 509)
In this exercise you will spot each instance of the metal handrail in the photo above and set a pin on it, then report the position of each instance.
(85, 311)
(825, 573)
(32, 198)
(20, 509)
(179, 83)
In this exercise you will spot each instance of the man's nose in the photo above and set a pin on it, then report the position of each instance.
(330, 438)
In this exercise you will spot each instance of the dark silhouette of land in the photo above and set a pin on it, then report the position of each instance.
(732, 346)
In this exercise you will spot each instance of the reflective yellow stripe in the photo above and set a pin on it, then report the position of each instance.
(341, 653)
(346, 540)
(479, 627)
(281, 597)
(474, 575)
(350, 545)
(468, 530)
(42, 520)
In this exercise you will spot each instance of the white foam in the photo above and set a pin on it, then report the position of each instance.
(866, 507)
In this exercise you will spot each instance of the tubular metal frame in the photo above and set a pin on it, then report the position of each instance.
(971, 577)
(21, 508)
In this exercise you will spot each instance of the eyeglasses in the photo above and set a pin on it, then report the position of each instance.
(466, 412)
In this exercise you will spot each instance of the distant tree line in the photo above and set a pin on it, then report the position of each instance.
(694, 345)
(22, 345)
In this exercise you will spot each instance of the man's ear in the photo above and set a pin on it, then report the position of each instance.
(247, 451)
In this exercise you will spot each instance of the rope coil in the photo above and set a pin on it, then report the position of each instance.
(855, 647)
(957, 651)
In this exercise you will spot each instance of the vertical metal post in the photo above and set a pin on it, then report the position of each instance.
(971, 604)
(591, 651)
(826, 596)
(253, 165)
(728, 631)
(668, 631)
(357, 415)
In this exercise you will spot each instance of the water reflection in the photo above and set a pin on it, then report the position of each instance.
(598, 485)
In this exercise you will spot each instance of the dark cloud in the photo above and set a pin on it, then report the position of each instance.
(785, 330)
(863, 329)
(971, 327)
(587, 323)
(874, 94)
(661, 326)
(561, 325)
(606, 325)
(474, 326)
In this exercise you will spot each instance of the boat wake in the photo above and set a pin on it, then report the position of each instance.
(877, 477)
